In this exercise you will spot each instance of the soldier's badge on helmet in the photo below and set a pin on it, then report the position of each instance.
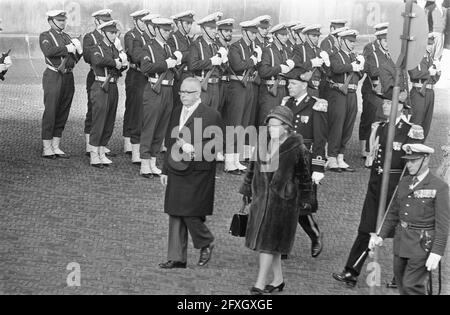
(305, 119)
(397, 146)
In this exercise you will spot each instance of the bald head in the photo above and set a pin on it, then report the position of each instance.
(190, 91)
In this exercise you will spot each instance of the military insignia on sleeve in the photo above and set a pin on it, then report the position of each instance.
(45, 41)
(416, 132)
(397, 146)
(305, 119)
(425, 194)
(147, 58)
(97, 53)
(321, 105)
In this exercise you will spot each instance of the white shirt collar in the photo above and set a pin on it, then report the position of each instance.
(190, 111)
(301, 98)
(421, 177)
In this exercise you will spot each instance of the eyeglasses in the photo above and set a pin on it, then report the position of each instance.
(187, 92)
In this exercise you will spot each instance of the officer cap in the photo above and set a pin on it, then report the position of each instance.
(264, 21)
(59, 15)
(381, 26)
(104, 15)
(283, 114)
(148, 18)
(139, 14)
(298, 74)
(186, 16)
(299, 27)
(416, 151)
(338, 23)
(279, 29)
(110, 26)
(313, 29)
(210, 20)
(291, 24)
(163, 23)
(381, 33)
(338, 30)
(251, 26)
(226, 24)
(349, 34)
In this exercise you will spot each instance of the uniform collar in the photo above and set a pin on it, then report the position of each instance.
(301, 98)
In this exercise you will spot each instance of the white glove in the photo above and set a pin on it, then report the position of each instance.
(437, 64)
(290, 63)
(223, 51)
(224, 59)
(188, 148)
(375, 240)
(118, 64)
(124, 57)
(433, 262)
(432, 71)
(179, 56)
(71, 48)
(3, 67)
(356, 67)
(316, 62)
(255, 59)
(171, 63)
(326, 58)
(285, 69)
(317, 177)
(216, 61)
(258, 51)
(361, 59)
(118, 44)
(8, 61)
(78, 45)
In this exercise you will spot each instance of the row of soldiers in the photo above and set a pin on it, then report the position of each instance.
(243, 80)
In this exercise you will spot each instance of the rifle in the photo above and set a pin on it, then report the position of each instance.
(62, 66)
(206, 79)
(112, 74)
(344, 87)
(250, 71)
(424, 86)
(2, 60)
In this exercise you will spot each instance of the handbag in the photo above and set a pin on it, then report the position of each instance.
(238, 225)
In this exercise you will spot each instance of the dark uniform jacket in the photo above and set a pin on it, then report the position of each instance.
(239, 57)
(302, 58)
(311, 121)
(177, 41)
(103, 59)
(53, 45)
(225, 68)
(134, 42)
(153, 60)
(200, 53)
(341, 68)
(272, 57)
(420, 217)
(264, 43)
(420, 74)
(327, 45)
(90, 40)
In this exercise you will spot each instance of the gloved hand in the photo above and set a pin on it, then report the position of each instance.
(171, 63)
(247, 200)
(326, 58)
(124, 57)
(118, 44)
(78, 45)
(8, 61)
(361, 60)
(375, 240)
(432, 71)
(356, 67)
(3, 67)
(258, 51)
(224, 59)
(179, 57)
(317, 177)
(71, 48)
(437, 64)
(223, 51)
(216, 61)
(164, 180)
(433, 262)
(188, 148)
(316, 62)
(403, 96)
(255, 59)
(118, 64)
(285, 69)
(290, 63)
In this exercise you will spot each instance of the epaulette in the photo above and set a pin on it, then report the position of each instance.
(416, 132)
(285, 100)
(321, 105)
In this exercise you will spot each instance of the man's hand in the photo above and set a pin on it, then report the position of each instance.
(432, 71)
(258, 51)
(8, 61)
(317, 62)
(118, 44)
(171, 63)
(188, 148)
(290, 63)
(317, 177)
(118, 64)
(433, 262)
(362, 60)
(179, 57)
(326, 58)
(356, 67)
(223, 52)
(78, 45)
(71, 49)
(375, 240)
(164, 179)
(216, 61)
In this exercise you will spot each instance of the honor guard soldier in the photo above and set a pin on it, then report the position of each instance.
(7, 63)
(423, 79)
(135, 39)
(61, 55)
(291, 38)
(346, 71)
(262, 39)
(244, 57)
(206, 58)
(275, 62)
(373, 46)
(308, 57)
(310, 121)
(297, 32)
(420, 218)
(107, 63)
(225, 36)
(405, 132)
(91, 40)
(330, 43)
(180, 41)
(157, 63)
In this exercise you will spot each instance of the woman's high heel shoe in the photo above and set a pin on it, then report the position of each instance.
(270, 288)
(256, 291)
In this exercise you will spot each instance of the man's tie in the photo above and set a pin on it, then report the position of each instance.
(414, 182)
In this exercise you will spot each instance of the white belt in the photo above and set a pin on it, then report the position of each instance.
(210, 81)
(225, 78)
(103, 79)
(272, 82)
(420, 85)
(163, 82)
(241, 77)
(350, 86)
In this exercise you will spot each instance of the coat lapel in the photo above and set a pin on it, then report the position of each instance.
(196, 114)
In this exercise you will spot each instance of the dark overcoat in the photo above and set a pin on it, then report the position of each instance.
(277, 198)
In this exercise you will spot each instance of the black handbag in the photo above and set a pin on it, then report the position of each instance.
(238, 225)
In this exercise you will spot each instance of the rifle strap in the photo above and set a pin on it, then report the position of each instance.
(202, 55)
(153, 57)
(177, 46)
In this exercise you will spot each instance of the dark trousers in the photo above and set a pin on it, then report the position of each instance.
(254, 113)
(267, 101)
(310, 226)
(132, 120)
(238, 111)
(224, 95)
(211, 96)
(178, 236)
(90, 79)
(104, 109)
(58, 94)
(422, 109)
(368, 116)
(410, 274)
(342, 111)
(156, 111)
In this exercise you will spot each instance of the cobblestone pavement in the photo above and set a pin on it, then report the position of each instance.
(112, 223)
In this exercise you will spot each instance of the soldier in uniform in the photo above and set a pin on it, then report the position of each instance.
(225, 35)
(405, 132)
(181, 42)
(157, 63)
(297, 32)
(91, 40)
(310, 121)
(423, 79)
(7, 63)
(330, 43)
(244, 57)
(346, 71)
(135, 82)
(206, 58)
(107, 63)
(262, 39)
(61, 55)
(276, 60)
(291, 42)
(420, 217)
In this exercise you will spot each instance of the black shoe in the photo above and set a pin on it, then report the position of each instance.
(234, 172)
(173, 265)
(270, 288)
(317, 246)
(392, 284)
(49, 157)
(129, 153)
(347, 277)
(256, 291)
(62, 156)
(284, 257)
(336, 170)
(205, 255)
(148, 176)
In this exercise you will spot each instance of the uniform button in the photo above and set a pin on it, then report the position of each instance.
(298, 116)
(296, 121)
(409, 196)
(406, 213)
(407, 205)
